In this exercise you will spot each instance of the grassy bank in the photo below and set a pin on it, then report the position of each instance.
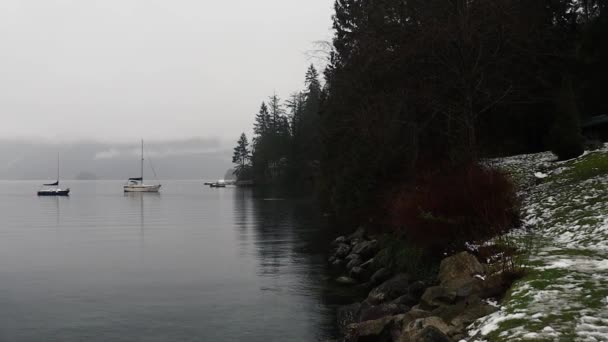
(564, 295)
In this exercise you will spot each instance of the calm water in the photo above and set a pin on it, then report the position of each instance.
(190, 264)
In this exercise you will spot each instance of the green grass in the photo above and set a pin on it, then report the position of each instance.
(579, 170)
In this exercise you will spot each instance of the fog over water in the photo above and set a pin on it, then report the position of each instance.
(173, 159)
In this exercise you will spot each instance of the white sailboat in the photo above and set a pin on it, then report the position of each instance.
(137, 184)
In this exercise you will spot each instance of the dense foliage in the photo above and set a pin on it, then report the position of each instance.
(429, 87)
(286, 143)
(436, 84)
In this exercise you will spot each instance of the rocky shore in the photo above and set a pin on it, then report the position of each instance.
(401, 308)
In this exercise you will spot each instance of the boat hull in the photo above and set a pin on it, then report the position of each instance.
(57, 192)
(141, 188)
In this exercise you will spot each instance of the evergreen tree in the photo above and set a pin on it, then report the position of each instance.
(241, 157)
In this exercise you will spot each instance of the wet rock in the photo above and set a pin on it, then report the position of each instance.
(352, 256)
(359, 273)
(354, 262)
(342, 251)
(461, 265)
(376, 330)
(366, 249)
(369, 264)
(370, 312)
(337, 262)
(359, 234)
(381, 276)
(347, 315)
(390, 289)
(339, 240)
(345, 280)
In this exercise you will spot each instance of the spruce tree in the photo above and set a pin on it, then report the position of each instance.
(241, 157)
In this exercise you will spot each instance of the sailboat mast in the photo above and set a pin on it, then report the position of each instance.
(57, 168)
(142, 161)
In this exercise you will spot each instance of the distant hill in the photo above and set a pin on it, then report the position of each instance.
(84, 175)
(180, 159)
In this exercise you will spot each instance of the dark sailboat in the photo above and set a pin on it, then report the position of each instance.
(53, 189)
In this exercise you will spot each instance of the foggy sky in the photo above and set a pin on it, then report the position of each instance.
(121, 70)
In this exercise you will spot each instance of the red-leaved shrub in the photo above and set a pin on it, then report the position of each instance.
(446, 207)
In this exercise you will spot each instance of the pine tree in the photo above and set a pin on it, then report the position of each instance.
(241, 157)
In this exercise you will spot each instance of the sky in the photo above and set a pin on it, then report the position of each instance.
(115, 71)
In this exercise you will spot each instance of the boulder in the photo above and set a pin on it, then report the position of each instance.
(451, 311)
(426, 330)
(369, 265)
(431, 334)
(354, 262)
(342, 250)
(370, 312)
(390, 289)
(406, 299)
(472, 313)
(339, 240)
(359, 273)
(359, 234)
(465, 287)
(376, 330)
(345, 280)
(337, 262)
(347, 315)
(436, 296)
(381, 276)
(352, 256)
(366, 249)
(461, 265)
(416, 289)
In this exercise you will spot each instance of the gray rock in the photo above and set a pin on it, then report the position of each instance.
(431, 334)
(337, 262)
(359, 234)
(461, 265)
(366, 249)
(370, 312)
(346, 280)
(342, 251)
(338, 241)
(390, 289)
(426, 330)
(472, 313)
(369, 265)
(352, 256)
(436, 296)
(347, 315)
(377, 330)
(381, 276)
(354, 262)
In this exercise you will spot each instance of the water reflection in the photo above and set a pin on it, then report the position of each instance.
(290, 242)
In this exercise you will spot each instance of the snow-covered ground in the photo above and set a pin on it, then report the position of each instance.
(564, 296)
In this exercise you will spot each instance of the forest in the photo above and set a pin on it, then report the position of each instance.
(418, 94)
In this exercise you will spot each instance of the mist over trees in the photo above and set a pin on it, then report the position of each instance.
(416, 88)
